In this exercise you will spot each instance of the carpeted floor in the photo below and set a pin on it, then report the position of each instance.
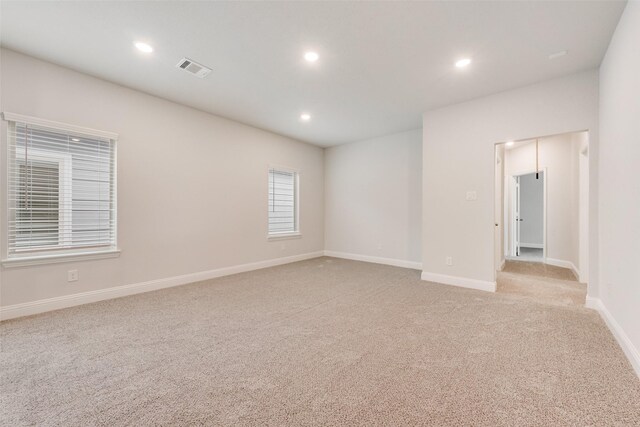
(543, 283)
(319, 342)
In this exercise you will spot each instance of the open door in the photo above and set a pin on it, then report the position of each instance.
(527, 221)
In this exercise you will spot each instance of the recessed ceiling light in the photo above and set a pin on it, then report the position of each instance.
(305, 117)
(75, 139)
(509, 143)
(311, 56)
(461, 63)
(143, 47)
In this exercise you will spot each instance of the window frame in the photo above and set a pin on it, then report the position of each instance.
(27, 256)
(297, 233)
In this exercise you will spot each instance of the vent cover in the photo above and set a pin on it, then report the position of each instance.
(193, 67)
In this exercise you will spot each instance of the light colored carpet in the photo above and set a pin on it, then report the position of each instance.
(541, 283)
(539, 269)
(319, 342)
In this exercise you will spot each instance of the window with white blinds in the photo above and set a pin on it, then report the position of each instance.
(61, 191)
(283, 202)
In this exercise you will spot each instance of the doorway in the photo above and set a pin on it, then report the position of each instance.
(541, 217)
(527, 217)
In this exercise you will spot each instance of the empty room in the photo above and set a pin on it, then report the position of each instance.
(229, 213)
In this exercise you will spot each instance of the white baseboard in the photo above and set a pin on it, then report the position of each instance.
(625, 343)
(462, 282)
(377, 260)
(532, 245)
(564, 264)
(49, 304)
(593, 303)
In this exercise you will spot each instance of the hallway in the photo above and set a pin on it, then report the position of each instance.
(541, 283)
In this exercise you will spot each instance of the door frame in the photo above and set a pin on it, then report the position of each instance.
(510, 202)
(587, 225)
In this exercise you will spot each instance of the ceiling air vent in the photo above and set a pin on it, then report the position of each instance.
(194, 68)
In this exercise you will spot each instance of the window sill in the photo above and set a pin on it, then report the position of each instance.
(26, 261)
(284, 236)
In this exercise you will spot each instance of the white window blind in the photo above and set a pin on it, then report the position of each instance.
(61, 191)
(283, 203)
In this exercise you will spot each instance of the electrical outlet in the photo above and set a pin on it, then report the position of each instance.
(472, 196)
(449, 260)
(72, 276)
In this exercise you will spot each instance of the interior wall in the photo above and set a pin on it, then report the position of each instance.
(192, 187)
(581, 147)
(498, 209)
(532, 210)
(462, 157)
(558, 156)
(619, 154)
(373, 197)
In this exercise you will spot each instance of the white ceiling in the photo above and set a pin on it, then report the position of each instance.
(381, 63)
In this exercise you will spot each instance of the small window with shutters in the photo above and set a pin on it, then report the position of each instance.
(283, 202)
(61, 190)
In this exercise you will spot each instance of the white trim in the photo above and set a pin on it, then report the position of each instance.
(564, 264)
(284, 236)
(376, 260)
(41, 306)
(532, 245)
(632, 353)
(25, 261)
(502, 264)
(12, 117)
(462, 282)
(283, 168)
(593, 303)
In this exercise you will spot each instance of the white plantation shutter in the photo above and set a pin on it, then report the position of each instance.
(61, 191)
(283, 202)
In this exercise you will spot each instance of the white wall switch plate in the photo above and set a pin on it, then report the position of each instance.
(472, 196)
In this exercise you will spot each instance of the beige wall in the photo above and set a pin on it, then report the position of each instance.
(458, 156)
(373, 198)
(498, 208)
(192, 187)
(619, 182)
(580, 141)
